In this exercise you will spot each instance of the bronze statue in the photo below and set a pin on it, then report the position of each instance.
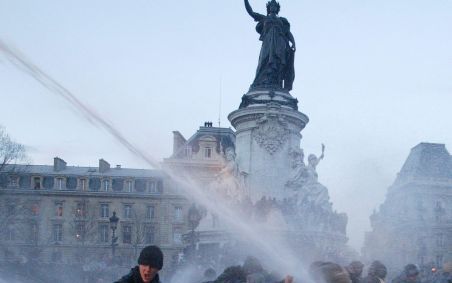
(275, 69)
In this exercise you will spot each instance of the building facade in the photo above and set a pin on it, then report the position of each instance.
(414, 224)
(62, 214)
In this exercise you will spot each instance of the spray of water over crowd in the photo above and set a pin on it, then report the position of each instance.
(272, 251)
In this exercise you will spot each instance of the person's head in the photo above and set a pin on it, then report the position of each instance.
(411, 272)
(273, 7)
(378, 269)
(312, 158)
(150, 262)
(252, 265)
(355, 267)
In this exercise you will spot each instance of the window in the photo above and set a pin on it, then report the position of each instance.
(149, 235)
(80, 209)
(127, 234)
(127, 211)
(103, 233)
(57, 231)
(177, 237)
(25, 182)
(71, 183)
(207, 152)
(140, 185)
(59, 183)
(129, 186)
(37, 183)
(94, 184)
(106, 185)
(80, 232)
(117, 184)
(48, 182)
(104, 210)
(13, 181)
(178, 213)
(59, 209)
(83, 185)
(152, 187)
(150, 212)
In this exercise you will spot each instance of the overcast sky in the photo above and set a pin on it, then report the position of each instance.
(374, 77)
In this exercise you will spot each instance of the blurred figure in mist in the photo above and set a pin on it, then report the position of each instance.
(355, 269)
(410, 274)
(376, 273)
(328, 272)
(445, 276)
(209, 275)
(250, 272)
(150, 262)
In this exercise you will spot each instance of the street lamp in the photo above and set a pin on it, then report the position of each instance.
(113, 225)
(194, 217)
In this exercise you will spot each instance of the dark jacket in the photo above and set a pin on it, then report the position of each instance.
(135, 277)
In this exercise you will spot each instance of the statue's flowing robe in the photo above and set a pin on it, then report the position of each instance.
(276, 59)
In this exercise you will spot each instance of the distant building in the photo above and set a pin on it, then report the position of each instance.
(61, 214)
(414, 224)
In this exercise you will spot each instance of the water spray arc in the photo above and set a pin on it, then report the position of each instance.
(277, 253)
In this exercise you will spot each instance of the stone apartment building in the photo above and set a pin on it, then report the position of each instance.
(414, 224)
(62, 214)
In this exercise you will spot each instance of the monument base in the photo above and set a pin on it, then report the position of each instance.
(266, 131)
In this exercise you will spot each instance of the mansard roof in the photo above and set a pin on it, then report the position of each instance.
(429, 160)
(82, 171)
(224, 137)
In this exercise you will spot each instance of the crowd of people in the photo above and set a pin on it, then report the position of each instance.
(150, 262)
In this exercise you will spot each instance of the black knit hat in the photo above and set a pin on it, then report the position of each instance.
(152, 256)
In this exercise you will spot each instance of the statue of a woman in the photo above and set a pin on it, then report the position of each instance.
(276, 59)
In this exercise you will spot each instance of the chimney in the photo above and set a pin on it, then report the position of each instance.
(178, 141)
(104, 166)
(58, 164)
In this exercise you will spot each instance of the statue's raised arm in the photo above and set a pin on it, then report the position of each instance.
(256, 16)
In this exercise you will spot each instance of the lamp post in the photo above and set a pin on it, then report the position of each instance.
(194, 217)
(113, 225)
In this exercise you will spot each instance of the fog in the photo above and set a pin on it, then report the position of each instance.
(373, 77)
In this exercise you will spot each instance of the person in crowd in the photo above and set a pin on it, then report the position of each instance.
(410, 274)
(250, 272)
(376, 273)
(150, 262)
(328, 272)
(355, 269)
(445, 275)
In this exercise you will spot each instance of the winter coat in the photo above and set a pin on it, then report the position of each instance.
(135, 277)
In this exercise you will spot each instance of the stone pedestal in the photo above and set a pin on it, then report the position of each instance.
(268, 126)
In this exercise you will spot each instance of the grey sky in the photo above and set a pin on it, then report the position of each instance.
(373, 76)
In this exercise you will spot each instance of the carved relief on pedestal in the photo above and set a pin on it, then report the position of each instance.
(271, 132)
